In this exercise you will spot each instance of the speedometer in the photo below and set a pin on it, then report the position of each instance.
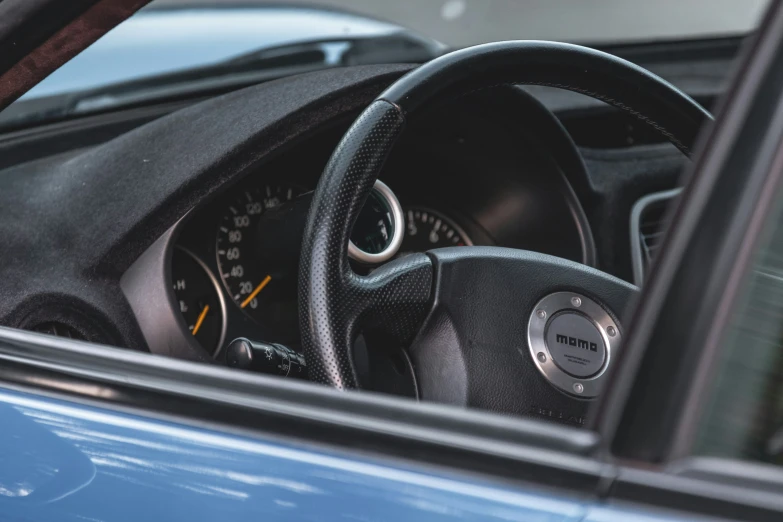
(266, 294)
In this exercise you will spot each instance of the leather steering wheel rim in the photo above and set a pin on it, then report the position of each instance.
(334, 302)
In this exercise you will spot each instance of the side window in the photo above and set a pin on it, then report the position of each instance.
(744, 414)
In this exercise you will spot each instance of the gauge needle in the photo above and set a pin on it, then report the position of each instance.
(200, 319)
(255, 292)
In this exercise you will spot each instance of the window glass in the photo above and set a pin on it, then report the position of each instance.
(744, 416)
(170, 37)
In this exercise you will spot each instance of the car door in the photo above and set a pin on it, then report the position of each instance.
(95, 433)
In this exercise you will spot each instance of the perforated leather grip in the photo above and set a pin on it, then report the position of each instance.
(334, 302)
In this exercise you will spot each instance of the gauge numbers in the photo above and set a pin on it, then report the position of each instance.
(266, 294)
(426, 229)
(265, 291)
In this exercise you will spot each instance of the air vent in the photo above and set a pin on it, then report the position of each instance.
(58, 330)
(651, 230)
(68, 320)
(648, 222)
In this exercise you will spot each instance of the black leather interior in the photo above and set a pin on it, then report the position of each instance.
(337, 300)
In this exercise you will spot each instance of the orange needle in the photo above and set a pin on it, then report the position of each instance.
(255, 292)
(200, 320)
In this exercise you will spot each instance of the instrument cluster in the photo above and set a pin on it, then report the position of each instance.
(228, 285)
(455, 178)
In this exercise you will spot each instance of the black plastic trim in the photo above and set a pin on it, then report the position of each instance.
(147, 287)
(549, 133)
(705, 495)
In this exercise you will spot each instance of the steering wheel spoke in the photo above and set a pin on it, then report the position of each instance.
(395, 297)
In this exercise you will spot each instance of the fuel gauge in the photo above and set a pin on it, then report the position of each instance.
(199, 300)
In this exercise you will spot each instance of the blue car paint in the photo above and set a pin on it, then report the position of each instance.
(158, 41)
(62, 461)
(635, 514)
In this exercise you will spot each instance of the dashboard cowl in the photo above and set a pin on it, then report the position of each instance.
(142, 182)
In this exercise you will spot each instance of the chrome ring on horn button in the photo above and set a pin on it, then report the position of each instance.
(571, 340)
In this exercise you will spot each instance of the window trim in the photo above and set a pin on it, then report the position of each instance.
(720, 490)
(694, 263)
(511, 449)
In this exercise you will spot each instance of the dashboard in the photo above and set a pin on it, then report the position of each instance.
(484, 169)
(263, 287)
(461, 179)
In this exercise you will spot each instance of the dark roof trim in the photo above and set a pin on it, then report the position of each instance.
(38, 36)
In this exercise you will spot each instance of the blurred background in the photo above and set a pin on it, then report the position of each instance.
(240, 42)
(459, 23)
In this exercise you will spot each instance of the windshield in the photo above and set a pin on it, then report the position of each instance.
(460, 23)
(170, 36)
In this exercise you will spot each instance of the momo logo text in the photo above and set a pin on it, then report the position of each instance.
(576, 342)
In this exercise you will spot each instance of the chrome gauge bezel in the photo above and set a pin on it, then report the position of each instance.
(398, 232)
(220, 296)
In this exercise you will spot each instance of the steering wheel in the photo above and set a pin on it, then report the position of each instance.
(486, 327)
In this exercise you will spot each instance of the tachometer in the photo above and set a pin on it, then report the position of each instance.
(266, 294)
(426, 229)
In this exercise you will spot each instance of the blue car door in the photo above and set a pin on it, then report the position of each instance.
(67, 461)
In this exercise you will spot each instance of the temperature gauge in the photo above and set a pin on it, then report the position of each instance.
(198, 299)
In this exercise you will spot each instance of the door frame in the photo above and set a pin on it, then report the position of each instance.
(660, 383)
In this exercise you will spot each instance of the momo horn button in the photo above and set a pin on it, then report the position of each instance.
(571, 340)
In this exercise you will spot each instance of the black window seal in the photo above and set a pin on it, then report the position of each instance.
(716, 494)
(664, 352)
